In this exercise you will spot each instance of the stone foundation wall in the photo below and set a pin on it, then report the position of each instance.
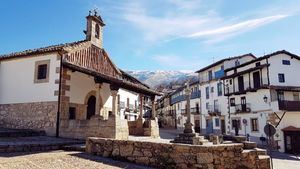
(167, 155)
(37, 116)
(113, 127)
(140, 127)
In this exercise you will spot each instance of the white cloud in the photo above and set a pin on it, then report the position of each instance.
(178, 62)
(236, 28)
(182, 21)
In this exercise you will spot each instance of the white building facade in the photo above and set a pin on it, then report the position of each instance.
(178, 106)
(266, 90)
(214, 105)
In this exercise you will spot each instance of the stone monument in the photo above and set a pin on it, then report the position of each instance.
(189, 136)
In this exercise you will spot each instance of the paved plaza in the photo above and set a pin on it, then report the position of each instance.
(285, 161)
(60, 160)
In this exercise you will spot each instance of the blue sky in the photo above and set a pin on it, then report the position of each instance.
(156, 34)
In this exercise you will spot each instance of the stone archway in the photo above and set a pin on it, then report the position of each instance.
(98, 103)
(91, 107)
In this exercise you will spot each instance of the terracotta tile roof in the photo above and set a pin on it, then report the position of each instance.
(52, 48)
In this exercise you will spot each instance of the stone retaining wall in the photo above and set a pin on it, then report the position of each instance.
(113, 127)
(167, 155)
(36, 115)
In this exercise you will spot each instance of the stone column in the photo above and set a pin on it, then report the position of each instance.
(188, 126)
(153, 115)
(141, 97)
(98, 99)
(114, 94)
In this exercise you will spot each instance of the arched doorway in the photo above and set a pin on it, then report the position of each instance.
(91, 107)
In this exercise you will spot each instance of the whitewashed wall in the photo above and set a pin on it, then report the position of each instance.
(17, 80)
(81, 84)
(291, 72)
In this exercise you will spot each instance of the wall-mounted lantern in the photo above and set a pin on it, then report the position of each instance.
(265, 99)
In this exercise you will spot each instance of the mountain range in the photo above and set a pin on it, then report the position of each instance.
(163, 79)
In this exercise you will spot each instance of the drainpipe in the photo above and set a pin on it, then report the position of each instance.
(59, 97)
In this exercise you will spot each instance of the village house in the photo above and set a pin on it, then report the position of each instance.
(265, 90)
(175, 112)
(74, 90)
(214, 109)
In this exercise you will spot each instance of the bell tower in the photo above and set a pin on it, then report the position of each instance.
(94, 29)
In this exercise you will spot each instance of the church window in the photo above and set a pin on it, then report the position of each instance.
(41, 72)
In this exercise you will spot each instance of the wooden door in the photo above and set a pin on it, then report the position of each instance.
(243, 104)
(256, 79)
(241, 83)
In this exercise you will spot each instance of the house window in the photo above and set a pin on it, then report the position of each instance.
(127, 102)
(41, 72)
(230, 81)
(72, 113)
(235, 123)
(257, 64)
(254, 124)
(219, 85)
(232, 101)
(207, 92)
(210, 76)
(280, 95)
(237, 63)
(281, 78)
(296, 96)
(212, 89)
(217, 122)
(207, 105)
(286, 62)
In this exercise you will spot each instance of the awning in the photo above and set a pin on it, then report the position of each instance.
(291, 128)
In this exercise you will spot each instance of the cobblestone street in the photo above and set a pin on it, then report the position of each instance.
(285, 161)
(60, 160)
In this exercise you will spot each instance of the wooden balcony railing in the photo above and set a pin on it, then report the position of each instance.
(289, 105)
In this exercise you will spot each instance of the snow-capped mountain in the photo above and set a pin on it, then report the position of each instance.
(163, 78)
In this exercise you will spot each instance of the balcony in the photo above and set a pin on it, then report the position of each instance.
(289, 105)
(243, 108)
(214, 110)
(195, 94)
(177, 99)
(195, 110)
(246, 87)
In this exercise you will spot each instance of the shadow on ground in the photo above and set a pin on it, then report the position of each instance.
(108, 161)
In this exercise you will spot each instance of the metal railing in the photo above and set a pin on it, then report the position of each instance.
(243, 108)
(214, 109)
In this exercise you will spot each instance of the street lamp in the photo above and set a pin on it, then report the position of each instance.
(265, 99)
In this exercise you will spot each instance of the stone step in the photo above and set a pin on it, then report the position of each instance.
(261, 151)
(37, 143)
(249, 145)
(4, 132)
(74, 147)
(264, 161)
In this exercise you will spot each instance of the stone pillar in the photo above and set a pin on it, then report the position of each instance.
(141, 97)
(153, 112)
(188, 126)
(114, 94)
(98, 99)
